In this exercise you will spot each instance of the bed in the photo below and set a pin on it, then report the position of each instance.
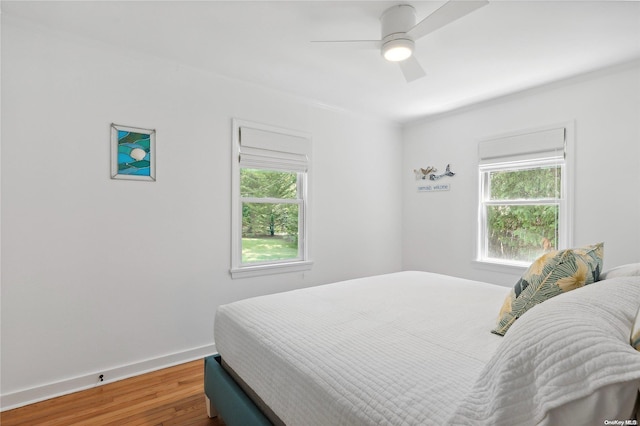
(415, 348)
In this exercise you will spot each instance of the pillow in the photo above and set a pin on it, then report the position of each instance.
(635, 332)
(629, 270)
(568, 358)
(551, 274)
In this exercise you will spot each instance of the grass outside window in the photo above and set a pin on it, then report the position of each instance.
(265, 249)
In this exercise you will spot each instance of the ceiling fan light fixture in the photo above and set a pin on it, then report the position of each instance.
(397, 50)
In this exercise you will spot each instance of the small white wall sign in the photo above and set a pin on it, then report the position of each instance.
(433, 187)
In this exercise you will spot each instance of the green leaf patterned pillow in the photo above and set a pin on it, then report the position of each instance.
(551, 274)
(635, 332)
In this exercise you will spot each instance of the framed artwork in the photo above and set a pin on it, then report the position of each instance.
(133, 153)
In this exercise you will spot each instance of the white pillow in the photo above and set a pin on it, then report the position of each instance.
(629, 270)
(615, 401)
(560, 356)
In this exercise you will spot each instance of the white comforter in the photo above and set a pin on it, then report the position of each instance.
(400, 349)
(415, 348)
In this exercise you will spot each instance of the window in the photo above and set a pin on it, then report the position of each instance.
(269, 200)
(524, 207)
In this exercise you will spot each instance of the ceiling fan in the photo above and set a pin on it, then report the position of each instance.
(400, 32)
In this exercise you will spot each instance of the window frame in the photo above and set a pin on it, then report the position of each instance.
(565, 202)
(302, 262)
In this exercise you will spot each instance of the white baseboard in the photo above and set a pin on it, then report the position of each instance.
(87, 381)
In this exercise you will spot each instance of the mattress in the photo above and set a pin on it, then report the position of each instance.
(401, 349)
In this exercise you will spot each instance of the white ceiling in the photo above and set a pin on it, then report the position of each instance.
(504, 47)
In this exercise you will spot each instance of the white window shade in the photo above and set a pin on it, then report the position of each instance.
(271, 150)
(547, 144)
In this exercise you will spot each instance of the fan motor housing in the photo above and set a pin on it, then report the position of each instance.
(396, 21)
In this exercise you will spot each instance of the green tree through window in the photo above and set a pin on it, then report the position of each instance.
(270, 213)
(521, 208)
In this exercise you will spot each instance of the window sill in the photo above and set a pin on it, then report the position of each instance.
(274, 268)
(505, 268)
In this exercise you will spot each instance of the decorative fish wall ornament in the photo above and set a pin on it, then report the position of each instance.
(424, 173)
(429, 173)
(447, 172)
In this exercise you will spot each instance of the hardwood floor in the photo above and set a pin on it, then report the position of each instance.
(173, 396)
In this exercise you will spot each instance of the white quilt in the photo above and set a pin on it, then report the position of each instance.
(415, 348)
(399, 349)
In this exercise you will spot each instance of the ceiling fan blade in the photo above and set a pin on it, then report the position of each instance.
(411, 69)
(350, 44)
(447, 13)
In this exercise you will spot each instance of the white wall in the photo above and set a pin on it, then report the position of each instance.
(439, 229)
(115, 277)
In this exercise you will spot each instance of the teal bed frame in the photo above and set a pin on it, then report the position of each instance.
(226, 399)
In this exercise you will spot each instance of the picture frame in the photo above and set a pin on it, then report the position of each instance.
(133, 153)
